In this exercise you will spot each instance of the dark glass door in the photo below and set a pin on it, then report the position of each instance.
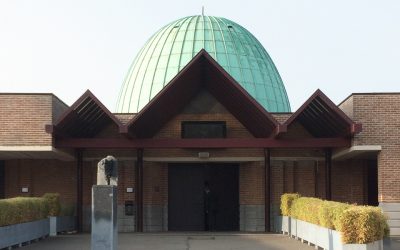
(191, 208)
(223, 180)
(185, 198)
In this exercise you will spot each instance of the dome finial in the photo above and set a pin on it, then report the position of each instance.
(202, 10)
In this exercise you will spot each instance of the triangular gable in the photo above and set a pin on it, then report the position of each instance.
(203, 106)
(203, 72)
(84, 119)
(322, 118)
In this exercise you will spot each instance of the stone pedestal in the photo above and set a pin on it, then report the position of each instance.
(104, 218)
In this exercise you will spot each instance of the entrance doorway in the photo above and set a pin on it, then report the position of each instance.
(372, 182)
(203, 197)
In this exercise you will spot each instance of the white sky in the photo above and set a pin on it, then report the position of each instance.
(67, 46)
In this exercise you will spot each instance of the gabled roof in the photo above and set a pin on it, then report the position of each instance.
(203, 72)
(84, 119)
(322, 118)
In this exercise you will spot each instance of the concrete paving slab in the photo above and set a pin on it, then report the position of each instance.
(176, 241)
(186, 241)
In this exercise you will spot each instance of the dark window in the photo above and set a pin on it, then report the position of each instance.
(203, 129)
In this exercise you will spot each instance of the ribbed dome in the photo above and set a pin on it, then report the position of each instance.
(231, 45)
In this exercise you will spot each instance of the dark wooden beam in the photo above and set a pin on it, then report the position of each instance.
(267, 189)
(328, 171)
(139, 191)
(79, 189)
(202, 143)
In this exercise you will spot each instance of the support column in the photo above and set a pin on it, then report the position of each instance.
(328, 171)
(294, 177)
(139, 191)
(284, 178)
(79, 189)
(267, 189)
(316, 179)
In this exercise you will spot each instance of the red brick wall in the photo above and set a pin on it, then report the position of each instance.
(348, 179)
(40, 176)
(49, 176)
(251, 183)
(305, 178)
(155, 183)
(278, 180)
(23, 118)
(380, 117)
(301, 177)
(126, 178)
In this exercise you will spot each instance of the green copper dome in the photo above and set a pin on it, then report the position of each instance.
(231, 45)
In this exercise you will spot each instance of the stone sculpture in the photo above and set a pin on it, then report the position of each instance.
(104, 206)
(107, 171)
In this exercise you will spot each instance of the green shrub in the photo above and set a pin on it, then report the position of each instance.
(286, 203)
(330, 214)
(22, 209)
(53, 200)
(305, 208)
(363, 224)
(67, 209)
(358, 224)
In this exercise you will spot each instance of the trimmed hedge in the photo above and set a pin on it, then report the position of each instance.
(286, 203)
(53, 199)
(330, 214)
(363, 224)
(67, 209)
(25, 209)
(306, 209)
(22, 209)
(358, 224)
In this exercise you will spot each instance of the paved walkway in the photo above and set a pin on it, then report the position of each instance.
(176, 241)
(186, 241)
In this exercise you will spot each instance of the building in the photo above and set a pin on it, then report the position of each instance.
(203, 107)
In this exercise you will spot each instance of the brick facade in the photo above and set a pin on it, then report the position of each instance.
(301, 171)
(380, 116)
(40, 177)
(24, 116)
